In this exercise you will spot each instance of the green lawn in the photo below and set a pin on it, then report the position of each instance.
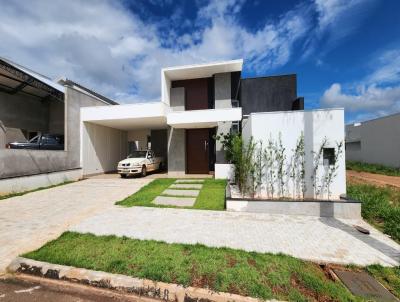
(2, 197)
(258, 275)
(388, 276)
(380, 206)
(372, 168)
(211, 196)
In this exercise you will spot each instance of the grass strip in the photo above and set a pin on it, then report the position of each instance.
(211, 196)
(146, 194)
(264, 276)
(372, 168)
(380, 206)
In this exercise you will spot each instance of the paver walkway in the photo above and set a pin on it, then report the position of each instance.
(182, 193)
(310, 238)
(29, 221)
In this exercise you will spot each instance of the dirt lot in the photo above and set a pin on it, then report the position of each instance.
(374, 179)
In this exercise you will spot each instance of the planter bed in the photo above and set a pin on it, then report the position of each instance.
(346, 209)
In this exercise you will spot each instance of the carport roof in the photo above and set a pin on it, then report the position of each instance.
(15, 78)
(128, 117)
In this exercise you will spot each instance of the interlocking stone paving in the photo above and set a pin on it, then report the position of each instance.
(319, 239)
(29, 221)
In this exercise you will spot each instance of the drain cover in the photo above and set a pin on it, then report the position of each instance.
(362, 284)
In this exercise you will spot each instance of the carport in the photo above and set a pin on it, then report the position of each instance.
(109, 133)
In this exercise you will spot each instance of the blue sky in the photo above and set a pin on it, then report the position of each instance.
(346, 53)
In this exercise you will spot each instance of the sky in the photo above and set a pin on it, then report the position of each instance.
(346, 53)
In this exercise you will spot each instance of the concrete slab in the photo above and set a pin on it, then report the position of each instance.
(172, 192)
(188, 181)
(186, 186)
(364, 285)
(174, 201)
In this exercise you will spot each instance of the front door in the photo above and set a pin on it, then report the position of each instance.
(197, 155)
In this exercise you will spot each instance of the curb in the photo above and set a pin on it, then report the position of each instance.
(141, 287)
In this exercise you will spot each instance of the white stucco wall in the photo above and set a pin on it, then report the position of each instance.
(316, 125)
(102, 148)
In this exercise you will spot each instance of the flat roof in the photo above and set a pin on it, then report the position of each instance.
(202, 70)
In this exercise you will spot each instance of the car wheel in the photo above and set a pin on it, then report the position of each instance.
(123, 175)
(144, 171)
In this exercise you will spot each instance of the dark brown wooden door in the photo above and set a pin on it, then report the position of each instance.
(196, 93)
(197, 155)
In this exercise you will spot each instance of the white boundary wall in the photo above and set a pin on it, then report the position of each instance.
(315, 125)
(32, 182)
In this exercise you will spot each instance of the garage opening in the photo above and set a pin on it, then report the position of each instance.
(103, 146)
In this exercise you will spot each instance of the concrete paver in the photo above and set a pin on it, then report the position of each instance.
(186, 186)
(319, 239)
(29, 221)
(175, 201)
(192, 193)
(188, 181)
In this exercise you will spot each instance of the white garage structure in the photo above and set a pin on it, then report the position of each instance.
(106, 131)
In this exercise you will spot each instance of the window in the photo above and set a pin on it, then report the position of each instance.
(49, 140)
(235, 128)
(35, 140)
(235, 103)
(329, 156)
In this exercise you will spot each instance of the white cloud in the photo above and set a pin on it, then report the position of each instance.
(388, 70)
(367, 99)
(114, 51)
(376, 95)
(336, 20)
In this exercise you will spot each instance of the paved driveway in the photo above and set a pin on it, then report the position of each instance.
(29, 221)
(311, 238)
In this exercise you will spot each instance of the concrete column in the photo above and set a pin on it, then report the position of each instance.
(222, 100)
(2, 136)
(176, 151)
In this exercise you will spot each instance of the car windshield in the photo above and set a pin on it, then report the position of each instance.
(34, 140)
(136, 154)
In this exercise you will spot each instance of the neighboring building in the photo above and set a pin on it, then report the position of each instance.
(197, 102)
(30, 104)
(375, 141)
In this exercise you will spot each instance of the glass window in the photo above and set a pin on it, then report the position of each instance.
(235, 128)
(329, 156)
(138, 154)
(35, 140)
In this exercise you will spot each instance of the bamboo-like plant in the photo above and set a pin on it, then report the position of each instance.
(259, 166)
(280, 158)
(317, 184)
(243, 160)
(297, 168)
(269, 159)
(332, 170)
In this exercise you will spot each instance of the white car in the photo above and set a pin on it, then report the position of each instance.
(139, 162)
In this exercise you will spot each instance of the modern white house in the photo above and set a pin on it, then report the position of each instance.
(197, 102)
